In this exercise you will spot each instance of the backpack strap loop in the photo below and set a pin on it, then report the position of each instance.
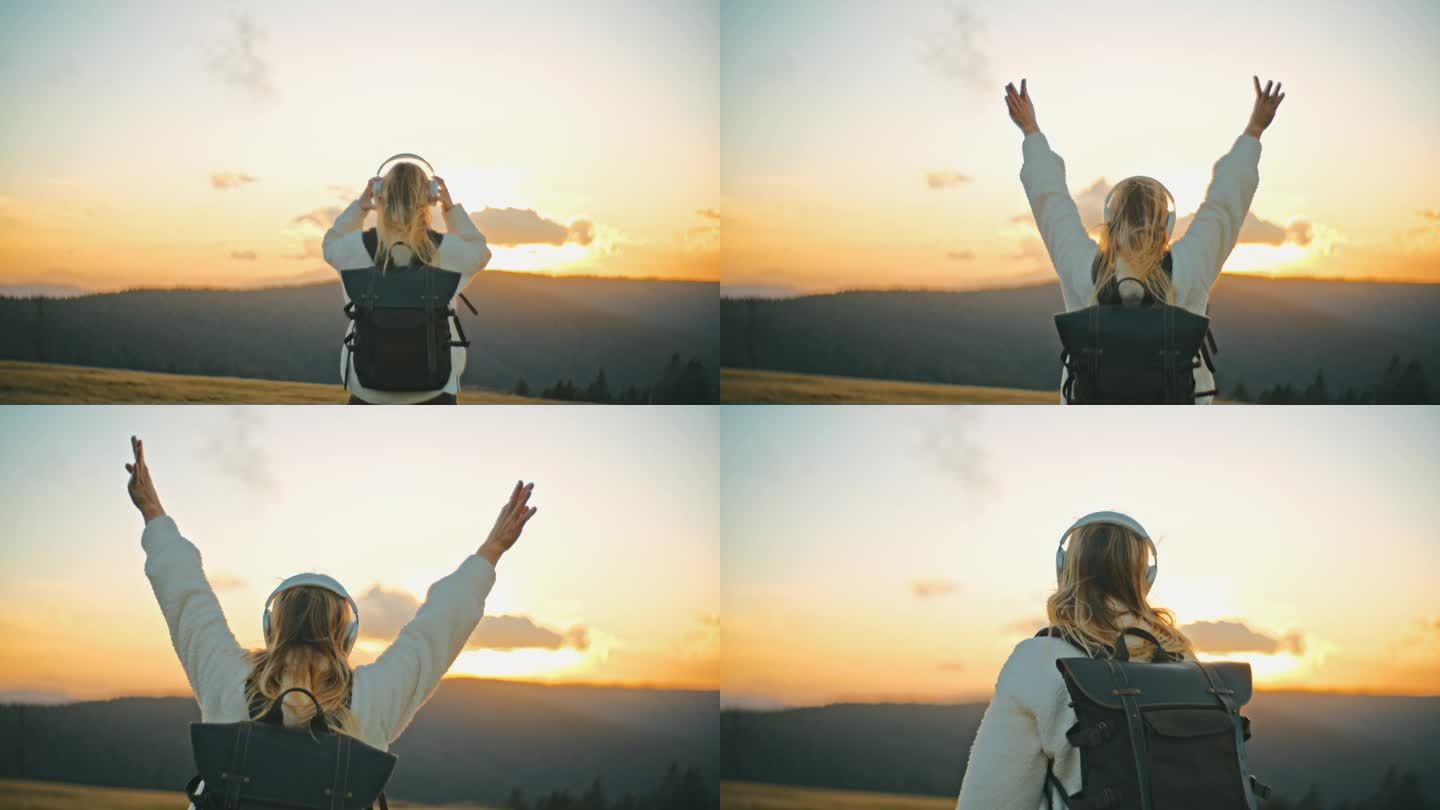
(1127, 694)
(1226, 696)
(1122, 650)
(275, 715)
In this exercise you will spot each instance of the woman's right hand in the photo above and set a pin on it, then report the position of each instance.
(1022, 109)
(142, 489)
(512, 520)
(1266, 102)
(367, 197)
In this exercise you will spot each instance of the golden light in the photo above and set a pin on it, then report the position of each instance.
(533, 663)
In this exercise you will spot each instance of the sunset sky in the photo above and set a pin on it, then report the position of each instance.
(189, 144)
(900, 553)
(615, 580)
(868, 145)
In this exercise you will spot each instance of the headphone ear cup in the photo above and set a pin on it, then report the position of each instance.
(434, 191)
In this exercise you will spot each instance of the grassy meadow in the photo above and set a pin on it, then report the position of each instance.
(749, 386)
(20, 794)
(31, 383)
(754, 796)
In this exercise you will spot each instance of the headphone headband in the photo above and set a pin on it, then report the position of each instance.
(352, 631)
(409, 156)
(1114, 519)
(1169, 211)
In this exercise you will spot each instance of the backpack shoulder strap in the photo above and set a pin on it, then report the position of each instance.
(371, 241)
(1053, 632)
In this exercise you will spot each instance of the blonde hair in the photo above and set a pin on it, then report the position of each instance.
(1102, 579)
(306, 648)
(403, 213)
(1135, 233)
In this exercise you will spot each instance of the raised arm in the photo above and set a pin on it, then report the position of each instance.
(469, 249)
(391, 690)
(342, 247)
(1216, 226)
(1043, 174)
(213, 661)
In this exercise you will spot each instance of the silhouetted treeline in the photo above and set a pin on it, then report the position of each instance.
(678, 790)
(1270, 333)
(1400, 384)
(679, 384)
(539, 738)
(1398, 791)
(529, 326)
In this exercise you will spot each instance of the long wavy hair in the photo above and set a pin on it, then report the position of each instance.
(1136, 235)
(1102, 591)
(306, 648)
(403, 213)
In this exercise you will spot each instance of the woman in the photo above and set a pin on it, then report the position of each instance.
(1135, 243)
(309, 631)
(1102, 586)
(403, 226)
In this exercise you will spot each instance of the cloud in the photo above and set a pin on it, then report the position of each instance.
(243, 255)
(951, 666)
(319, 217)
(237, 453)
(309, 249)
(927, 588)
(343, 193)
(1232, 636)
(707, 627)
(224, 582)
(1022, 219)
(960, 255)
(384, 613)
(709, 213)
(945, 179)
(237, 64)
(1428, 214)
(225, 180)
(523, 226)
(954, 51)
(1257, 231)
(951, 445)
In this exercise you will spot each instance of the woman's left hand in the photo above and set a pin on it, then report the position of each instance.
(367, 197)
(445, 202)
(142, 489)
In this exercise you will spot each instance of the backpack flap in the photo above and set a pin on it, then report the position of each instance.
(401, 287)
(1177, 685)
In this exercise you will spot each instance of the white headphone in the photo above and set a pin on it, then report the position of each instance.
(319, 581)
(1114, 519)
(1170, 201)
(413, 158)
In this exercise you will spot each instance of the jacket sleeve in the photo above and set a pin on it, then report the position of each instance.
(1216, 226)
(1007, 760)
(392, 689)
(212, 659)
(1071, 249)
(343, 247)
(464, 247)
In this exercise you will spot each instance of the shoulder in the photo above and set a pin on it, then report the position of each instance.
(1029, 674)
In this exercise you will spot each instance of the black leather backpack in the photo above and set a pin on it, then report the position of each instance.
(401, 336)
(1144, 355)
(263, 763)
(1160, 735)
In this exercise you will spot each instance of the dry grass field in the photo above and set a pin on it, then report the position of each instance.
(746, 386)
(18, 794)
(753, 796)
(32, 383)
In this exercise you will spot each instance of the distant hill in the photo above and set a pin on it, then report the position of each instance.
(751, 387)
(474, 741)
(1341, 744)
(540, 328)
(1269, 331)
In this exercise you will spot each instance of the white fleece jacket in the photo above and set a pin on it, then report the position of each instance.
(1023, 727)
(385, 694)
(463, 251)
(1196, 257)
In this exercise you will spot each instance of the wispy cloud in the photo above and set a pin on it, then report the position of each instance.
(384, 613)
(237, 452)
(1234, 636)
(709, 213)
(1428, 214)
(221, 181)
(318, 217)
(960, 255)
(928, 588)
(954, 50)
(950, 444)
(243, 255)
(237, 63)
(525, 226)
(939, 180)
(225, 582)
